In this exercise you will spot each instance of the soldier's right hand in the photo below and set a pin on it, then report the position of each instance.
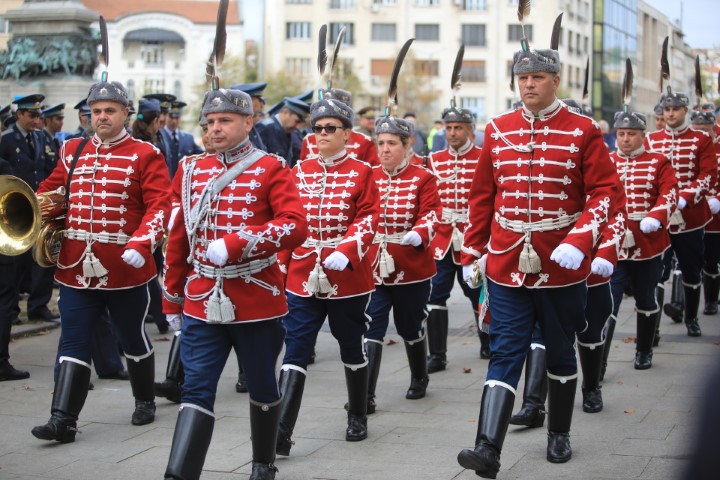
(714, 205)
(175, 321)
(650, 225)
(567, 256)
(217, 252)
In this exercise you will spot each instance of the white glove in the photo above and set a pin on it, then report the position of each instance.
(217, 252)
(682, 203)
(336, 261)
(714, 205)
(650, 225)
(133, 258)
(468, 274)
(601, 267)
(411, 238)
(175, 321)
(173, 214)
(567, 256)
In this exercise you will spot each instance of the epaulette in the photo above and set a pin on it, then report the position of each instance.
(280, 159)
(6, 132)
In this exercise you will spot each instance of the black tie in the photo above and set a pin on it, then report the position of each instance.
(174, 147)
(31, 144)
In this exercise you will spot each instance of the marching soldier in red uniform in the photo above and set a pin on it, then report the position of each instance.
(330, 274)
(409, 211)
(359, 146)
(117, 211)
(454, 169)
(692, 156)
(703, 119)
(539, 203)
(223, 285)
(651, 190)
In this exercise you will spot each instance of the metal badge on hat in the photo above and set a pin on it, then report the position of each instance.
(323, 57)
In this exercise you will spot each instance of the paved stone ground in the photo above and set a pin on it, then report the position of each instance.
(644, 431)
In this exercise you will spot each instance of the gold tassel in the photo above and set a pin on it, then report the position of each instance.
(323, 281)
(629, 240)
(227, 310)
(529, 260)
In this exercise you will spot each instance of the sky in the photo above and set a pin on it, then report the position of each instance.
(699, 19)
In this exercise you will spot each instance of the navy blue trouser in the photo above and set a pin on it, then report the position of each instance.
(408, 304)
(712, 253)
(81, 309)
(514, 310)
(444, 280)
(644, 276)
(689, 251)
(204, 350)
(598, 308)
(348, 324)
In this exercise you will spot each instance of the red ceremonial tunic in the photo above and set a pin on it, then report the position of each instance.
(714, 225)
(547, 180)
(118, 200)
(408, 202)
(612, 236)
(359, 146)
(257, 214)
(454, 171)
(416, 159)
(340, 201)
(692, 155)
(651, 191)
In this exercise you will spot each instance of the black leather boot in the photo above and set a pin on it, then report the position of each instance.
(674, 309)
(495, 410)
(171, 387)
(142, 381)
(532, 413)
(660, 298)
(71, 390)
(608, 332)
(692, 305)
(591, 358)
(190, 443)
(645, 334)
(561, 399)
(357, 386)
(437, 332)
(264, 421)
(241, 384)
(292, 385)
(373, 351)
(711, 286)
(484, 344)
(418, 369)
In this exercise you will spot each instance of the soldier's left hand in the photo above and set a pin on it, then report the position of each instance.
(602, 267)
(567, 256)
(217, 252)
(133, 258)
(411, 238)
(714, 205)
(336, 261)
(682, 203)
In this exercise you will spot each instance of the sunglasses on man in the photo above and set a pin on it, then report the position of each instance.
(328, 128)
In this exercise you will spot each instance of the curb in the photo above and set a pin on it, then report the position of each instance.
(32, 328)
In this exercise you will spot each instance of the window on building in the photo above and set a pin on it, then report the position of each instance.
(298, 66)
(152, 53)
(473, 35)
(297, 31)
(131, 88)
(476, 105)
(429, 68)
(385, 2)
(426, 3)
(381, 67)
(383, 32)
(429, 32)
(4, 25)
(475, 5)
(348, 39)
(509, 68)
(342, 4)
(153, 85)
(344, 68)
(515, 32)
(177, 89)
(473, 71)
(297, 1)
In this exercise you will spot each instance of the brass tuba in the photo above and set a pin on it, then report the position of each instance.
(30, 221)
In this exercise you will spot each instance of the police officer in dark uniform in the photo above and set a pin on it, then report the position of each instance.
(276, 131)
(53, 117)
(182, 144)
(83, 118)
(255, 90)
(5, 113)
(163, 139)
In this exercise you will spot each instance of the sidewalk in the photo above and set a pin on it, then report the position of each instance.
(644, 431)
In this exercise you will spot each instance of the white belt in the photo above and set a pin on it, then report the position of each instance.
(233, 271)
(451, 215)
(389, 238)
(637, 216)
(102, 237)
(333, 242)
(518, 226)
